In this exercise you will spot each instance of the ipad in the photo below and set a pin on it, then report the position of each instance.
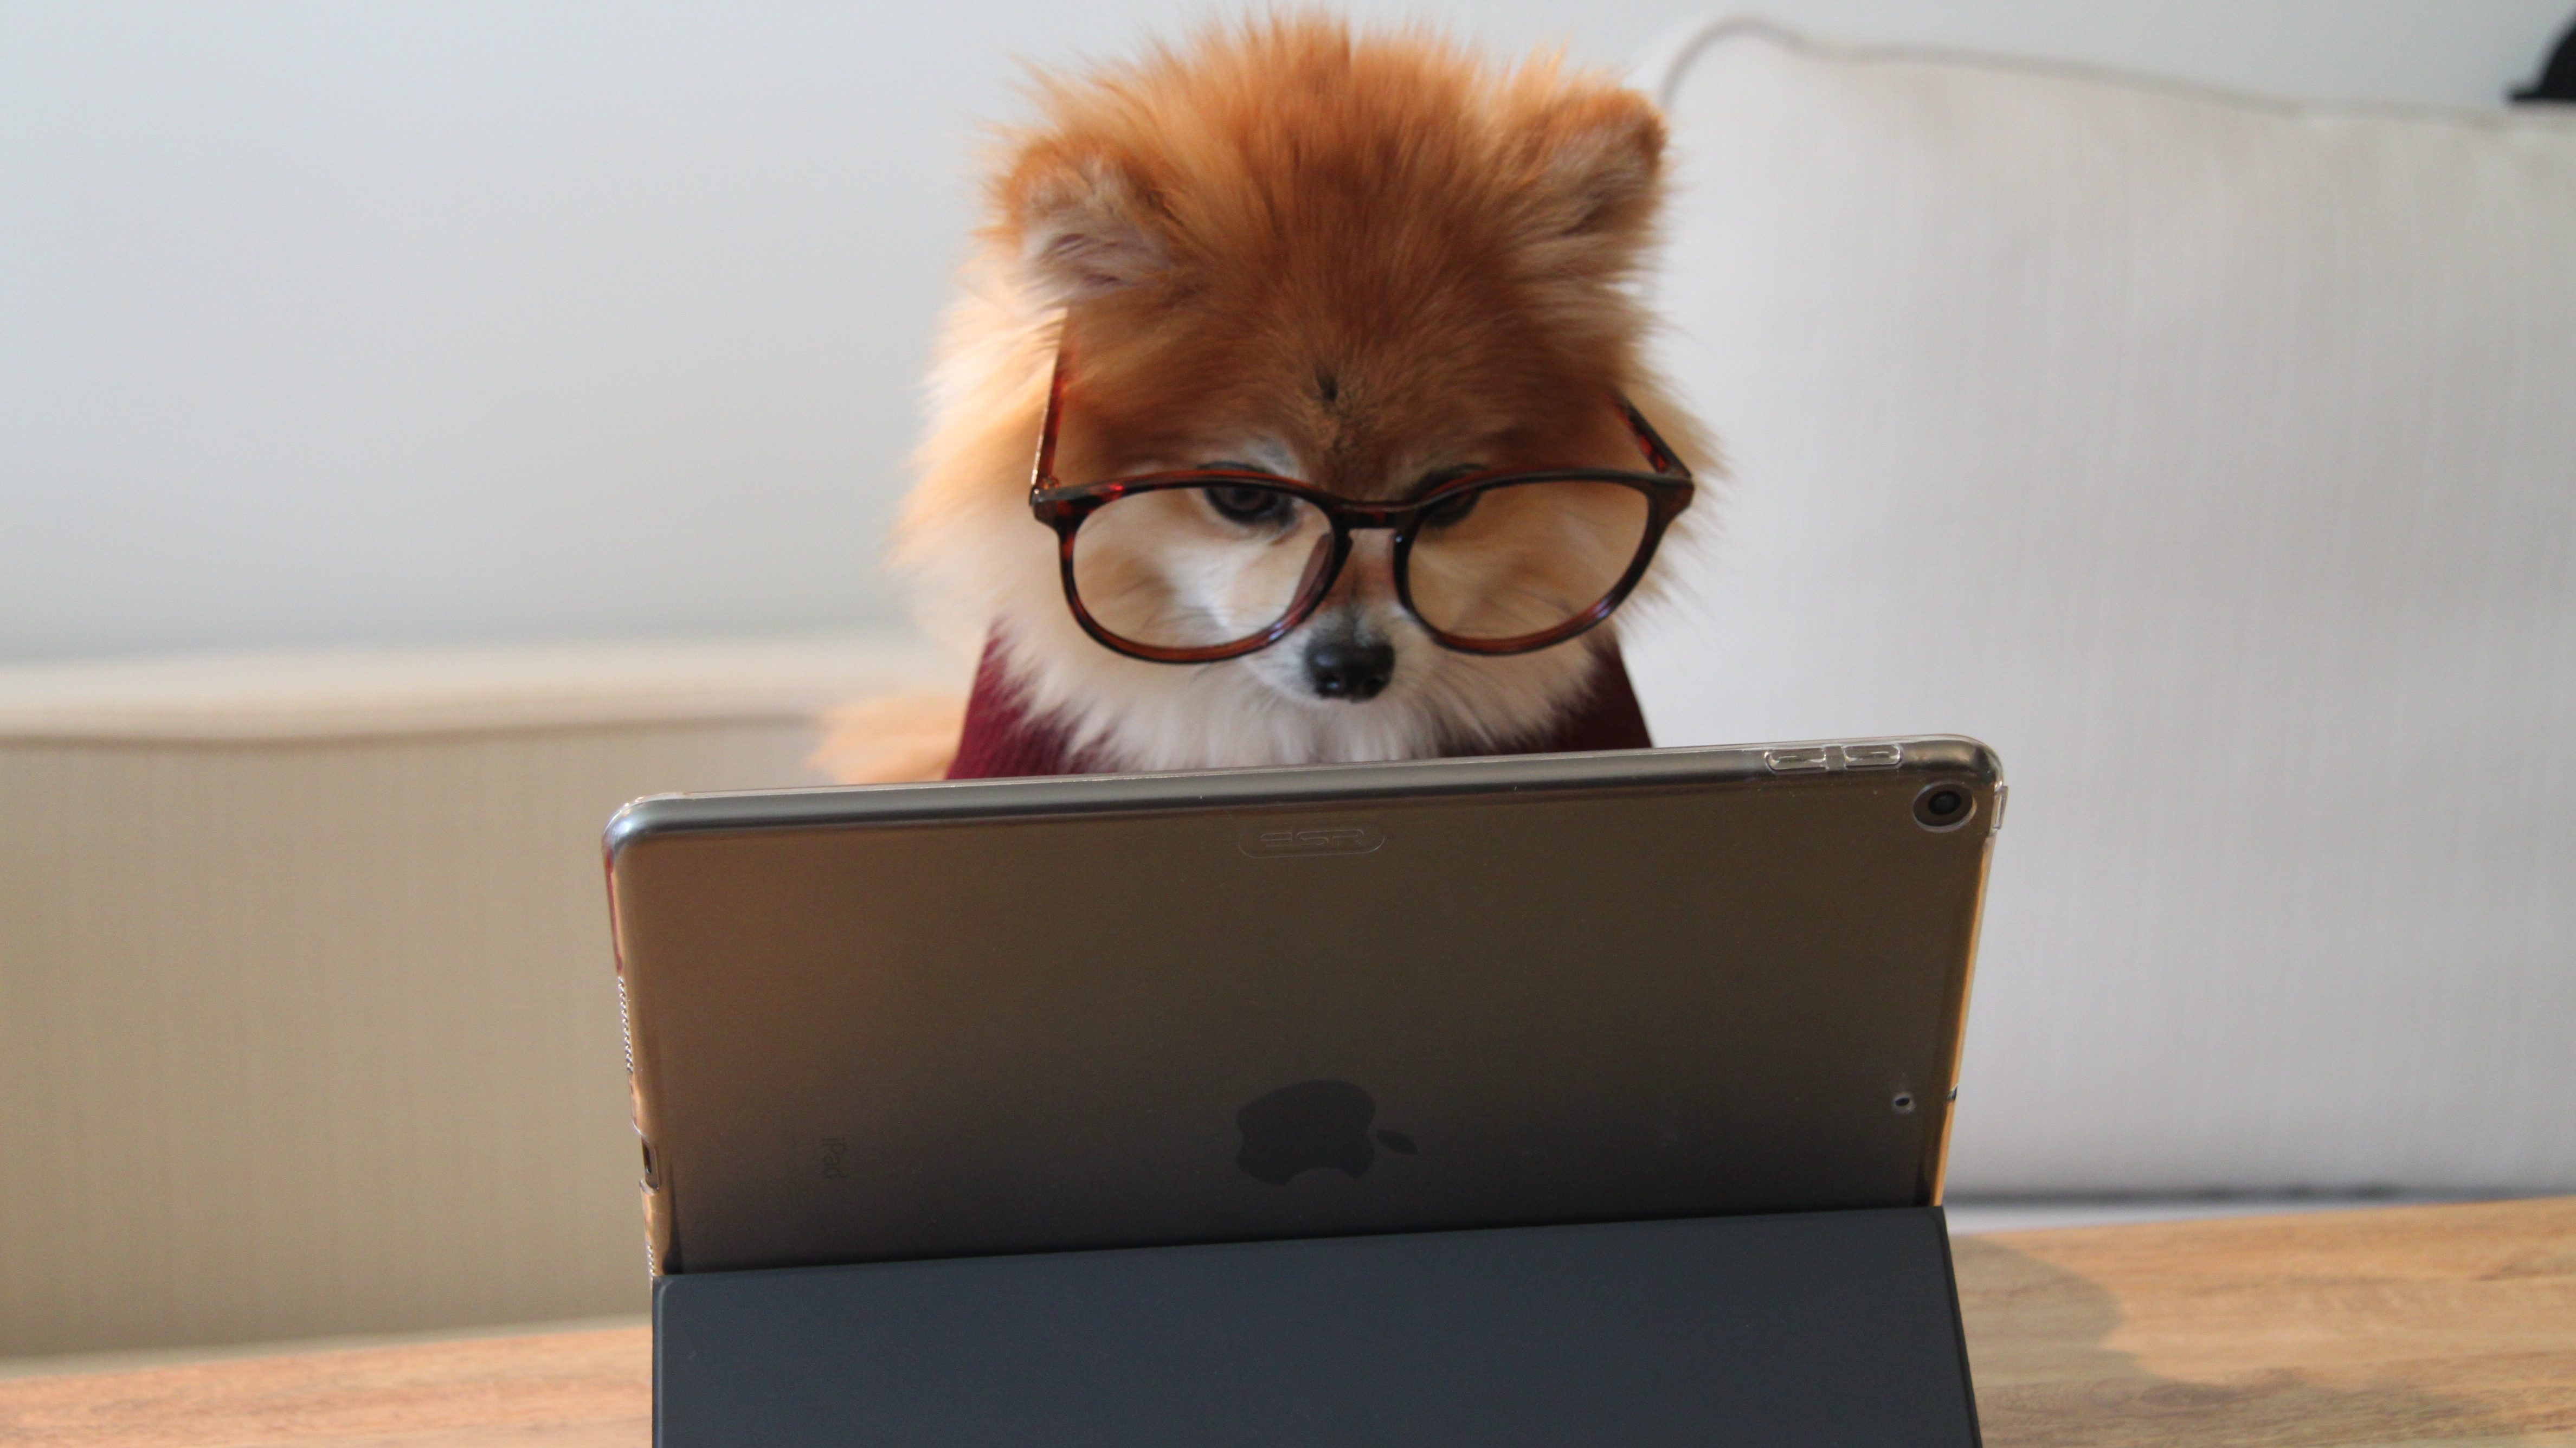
(1001, 1016)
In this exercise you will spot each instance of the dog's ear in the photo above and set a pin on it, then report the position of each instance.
(1086, 224)
(1595, 162)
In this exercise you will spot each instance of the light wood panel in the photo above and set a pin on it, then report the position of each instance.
(2411, 1326)
(303, 1038)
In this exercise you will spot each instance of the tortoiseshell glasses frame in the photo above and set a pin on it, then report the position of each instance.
(1667, 491)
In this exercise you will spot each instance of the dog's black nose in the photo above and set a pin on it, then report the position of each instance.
(1345, 668)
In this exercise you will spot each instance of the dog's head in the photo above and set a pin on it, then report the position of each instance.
(1369, 265)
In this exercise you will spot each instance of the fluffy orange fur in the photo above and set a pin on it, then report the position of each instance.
(1356, 260)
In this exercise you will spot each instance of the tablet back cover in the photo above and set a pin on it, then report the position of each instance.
(1024, 1016)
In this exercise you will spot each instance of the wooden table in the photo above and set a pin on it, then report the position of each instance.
(2451, 1325)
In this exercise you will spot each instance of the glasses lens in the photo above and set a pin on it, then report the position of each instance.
(1523, 558)
(1198, 567)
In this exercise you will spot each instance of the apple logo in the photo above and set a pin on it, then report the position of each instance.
(1309, 1125)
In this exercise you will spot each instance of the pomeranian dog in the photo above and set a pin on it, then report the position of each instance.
(1327, 351)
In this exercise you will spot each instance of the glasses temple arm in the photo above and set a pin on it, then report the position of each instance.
(1659, 454)
(1042, 473)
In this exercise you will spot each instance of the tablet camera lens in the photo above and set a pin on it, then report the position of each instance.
(1944, 806)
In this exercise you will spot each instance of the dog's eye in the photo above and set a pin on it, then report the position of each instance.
(1455, 510)
(1451, 513)
(1240, 503)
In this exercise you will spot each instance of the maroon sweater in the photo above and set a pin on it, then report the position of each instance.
(1003, 739)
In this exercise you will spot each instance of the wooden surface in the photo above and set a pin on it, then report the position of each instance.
(2449, 1325)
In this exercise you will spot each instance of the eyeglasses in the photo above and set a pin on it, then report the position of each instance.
(1203, 564)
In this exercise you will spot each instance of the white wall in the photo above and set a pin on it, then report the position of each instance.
(466, 321)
